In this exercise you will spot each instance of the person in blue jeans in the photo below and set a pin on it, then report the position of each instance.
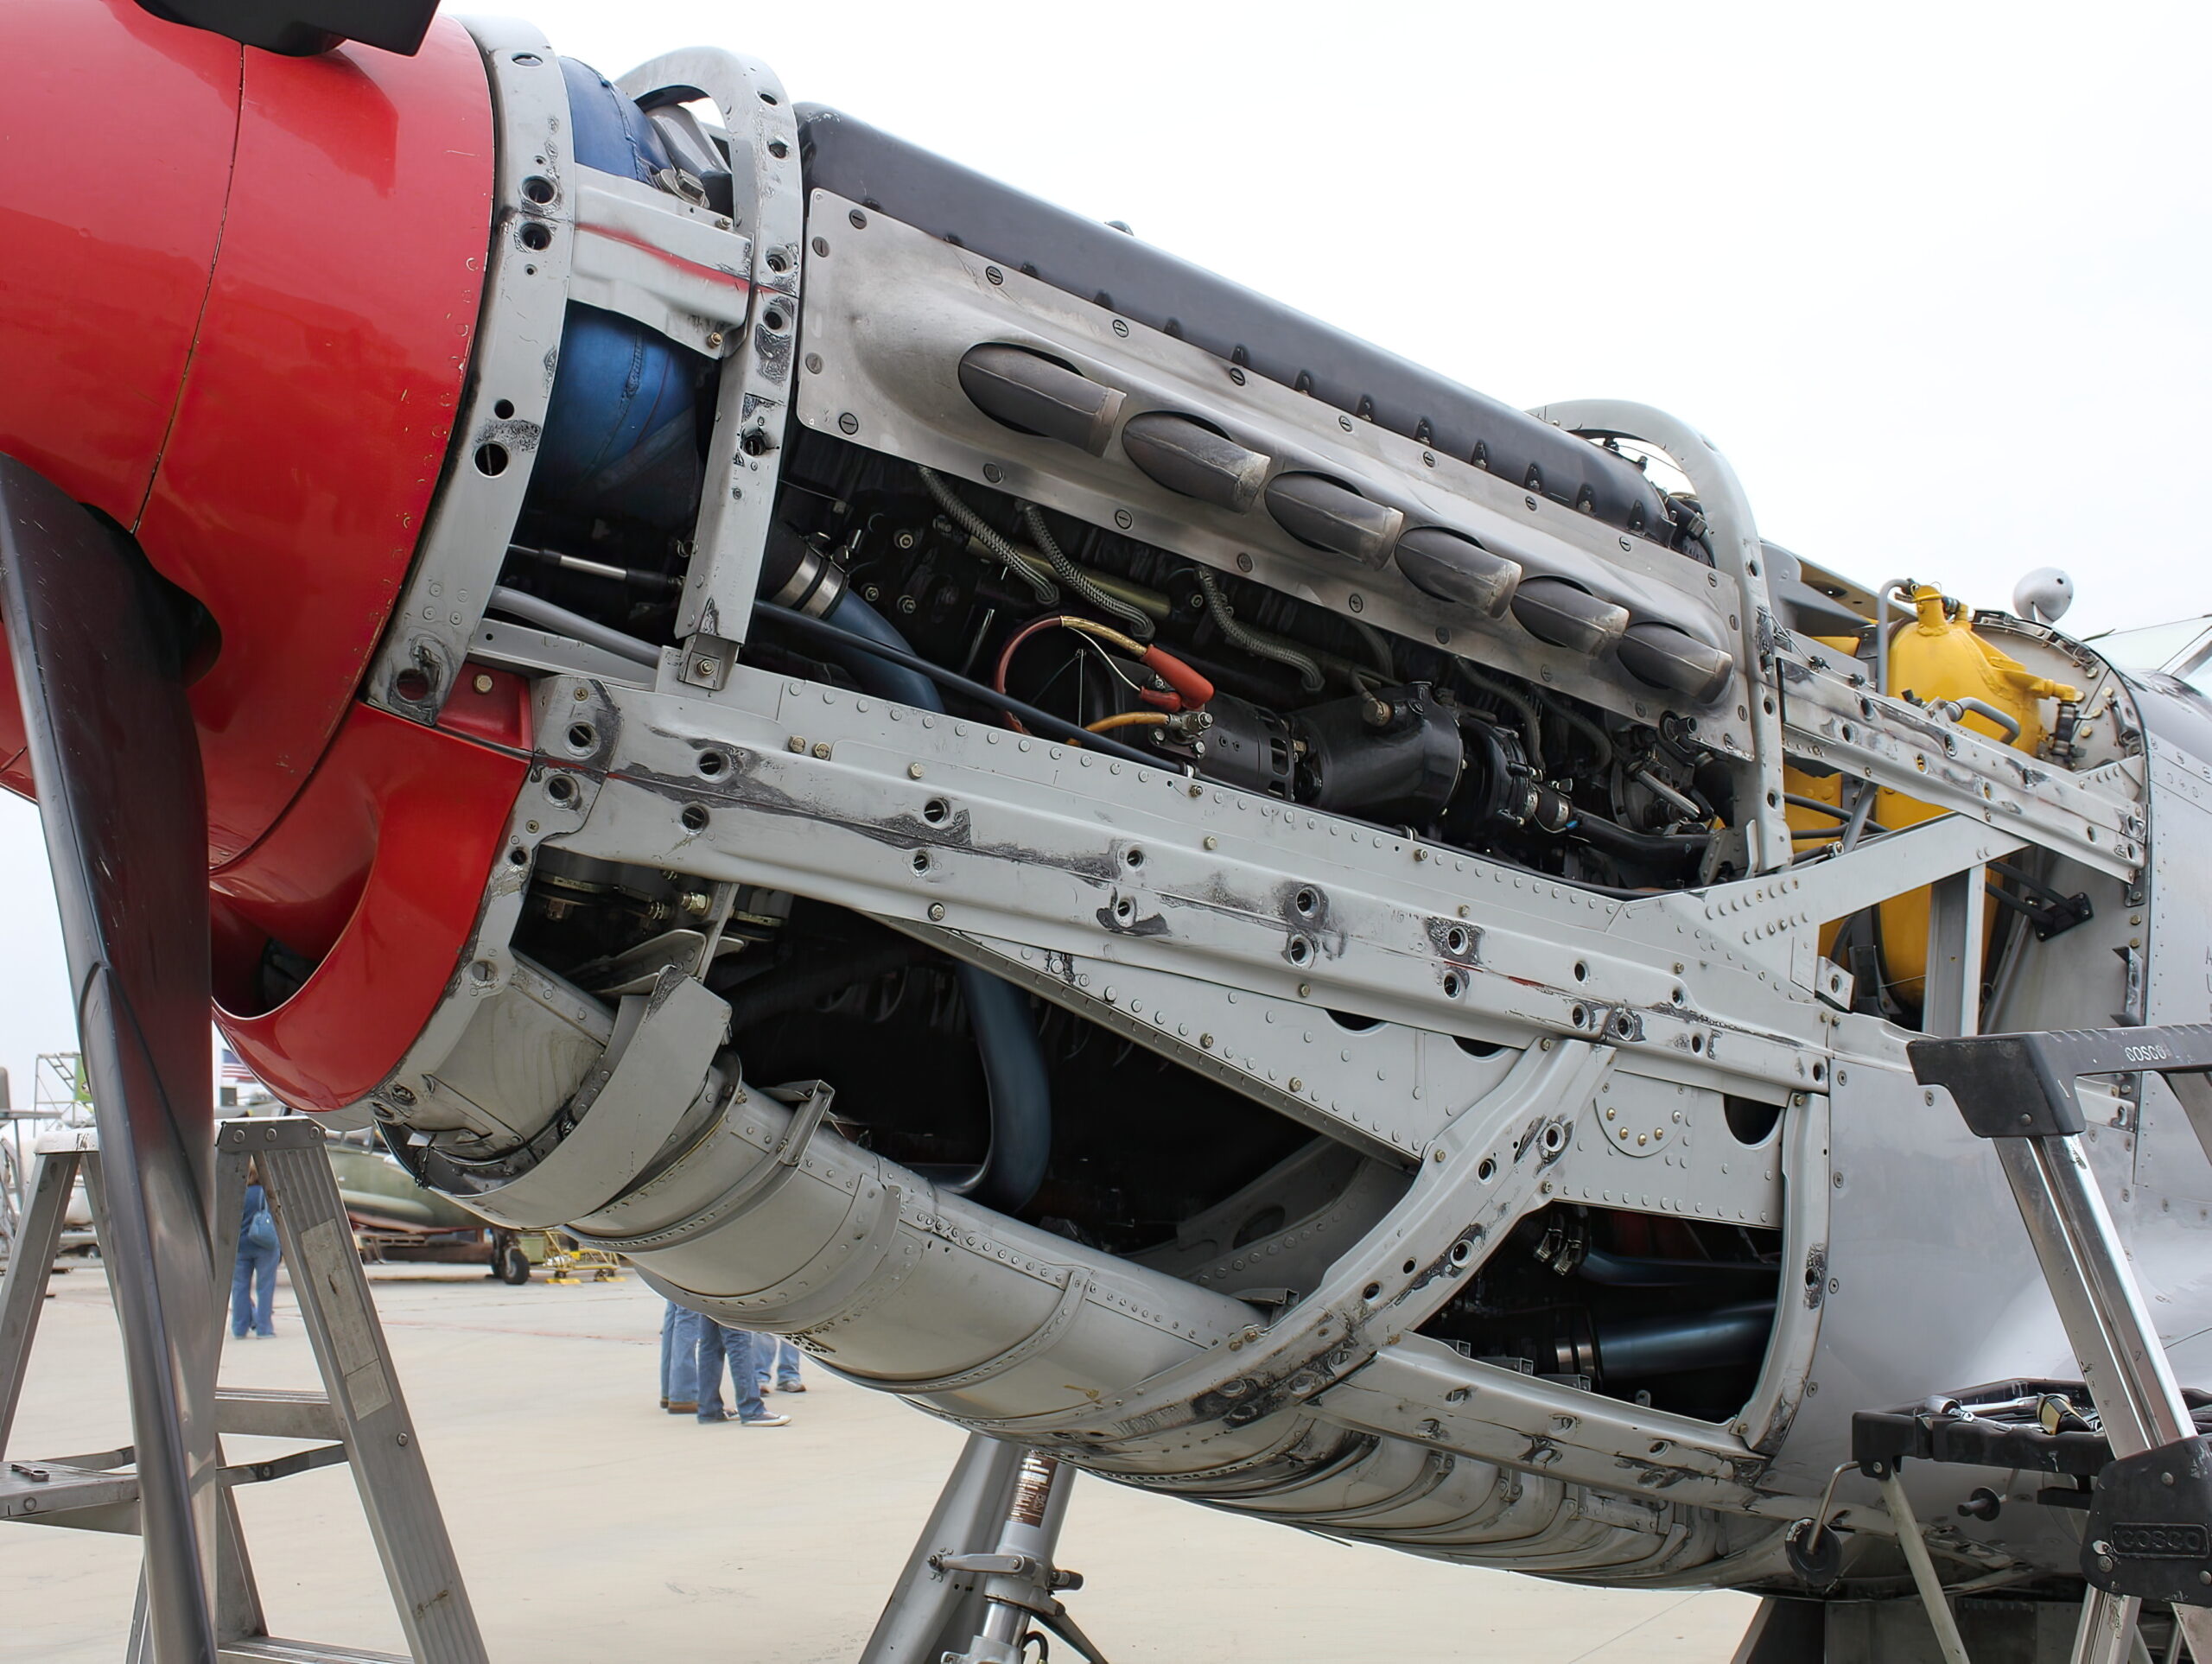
(721, 1343)
(253, 1276)
(776, 1355)
(680, 1330)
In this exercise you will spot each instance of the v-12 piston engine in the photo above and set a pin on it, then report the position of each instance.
(1121, 865)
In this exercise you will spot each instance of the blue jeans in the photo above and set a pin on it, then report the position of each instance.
(777, 1354)
(249, 1305)
(737, 1346)
(681, 1329)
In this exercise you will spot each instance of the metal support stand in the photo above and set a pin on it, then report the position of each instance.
(359, 1416)
(981, 1580)
(2149, 1524)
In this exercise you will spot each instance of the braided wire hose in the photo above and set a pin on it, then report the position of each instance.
(1309, 671)
(982, 531)
(1078, 580)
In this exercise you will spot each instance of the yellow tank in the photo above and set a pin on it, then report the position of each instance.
(1938, 656)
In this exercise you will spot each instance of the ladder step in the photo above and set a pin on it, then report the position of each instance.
(267, 1649)
(50, 1491)
(276, 1414)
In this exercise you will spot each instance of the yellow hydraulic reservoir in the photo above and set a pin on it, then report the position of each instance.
(1937, 657)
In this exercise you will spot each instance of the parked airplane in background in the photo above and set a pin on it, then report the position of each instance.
(1174, 888)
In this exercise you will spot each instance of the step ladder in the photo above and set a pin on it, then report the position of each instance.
(2148, 1532)
(360, 1418)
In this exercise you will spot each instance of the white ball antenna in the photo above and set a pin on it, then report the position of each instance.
(2044, 595)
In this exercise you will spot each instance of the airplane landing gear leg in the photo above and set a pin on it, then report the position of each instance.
(982, 1580)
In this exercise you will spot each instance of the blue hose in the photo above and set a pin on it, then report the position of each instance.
(1013, 1062)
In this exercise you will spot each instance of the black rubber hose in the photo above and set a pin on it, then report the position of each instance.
(864, 643)
(1690, 1340)
(1626, 1271)
(1617, 840)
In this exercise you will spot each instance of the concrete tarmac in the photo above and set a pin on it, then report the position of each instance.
(592, 1527)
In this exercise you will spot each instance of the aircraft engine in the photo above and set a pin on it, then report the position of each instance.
(1125, 866)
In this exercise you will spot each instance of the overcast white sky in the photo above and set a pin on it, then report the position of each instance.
(1933, 277)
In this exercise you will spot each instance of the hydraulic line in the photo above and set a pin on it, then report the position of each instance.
(1153, 604)
(547, 616)
(1596, 735)
(1617, 840)
(985, 534)
(1651, 782)
(1079, 580)
(1045, 723)
(1182, 688)
(1127, 720)
(1309, 672)
(1377, 647)
(1862, 816)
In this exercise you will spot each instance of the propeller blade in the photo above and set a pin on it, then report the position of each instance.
(98, 641)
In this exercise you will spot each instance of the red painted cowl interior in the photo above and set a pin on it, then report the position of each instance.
(238, 303)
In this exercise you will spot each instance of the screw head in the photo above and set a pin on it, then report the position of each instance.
(848, 423)
(994, 275)
(913, 771)
(936, 910)
(482, 682)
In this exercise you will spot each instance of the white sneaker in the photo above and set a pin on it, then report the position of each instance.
(771, 1419)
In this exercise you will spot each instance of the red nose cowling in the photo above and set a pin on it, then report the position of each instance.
(237, 298)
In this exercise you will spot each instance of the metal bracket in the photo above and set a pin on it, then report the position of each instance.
(674, 266)
(743, 457)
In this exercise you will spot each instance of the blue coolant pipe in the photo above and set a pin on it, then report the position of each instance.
(1013, 1062)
